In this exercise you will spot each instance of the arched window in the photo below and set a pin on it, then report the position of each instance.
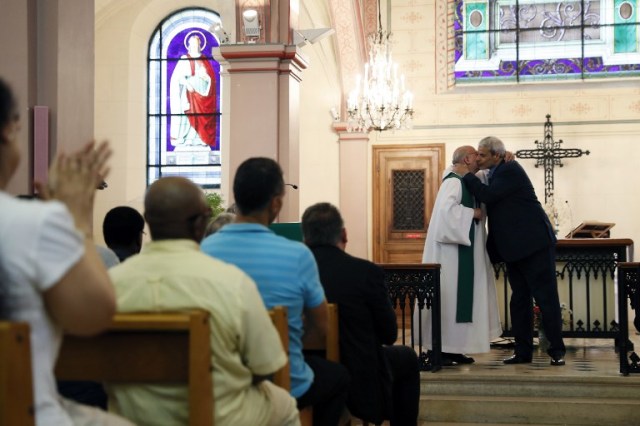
(183, 114)
(529, 40)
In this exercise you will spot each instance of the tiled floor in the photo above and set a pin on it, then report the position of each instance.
(584, 357)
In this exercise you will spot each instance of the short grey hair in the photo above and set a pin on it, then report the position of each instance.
(493, 144)
(221, 220)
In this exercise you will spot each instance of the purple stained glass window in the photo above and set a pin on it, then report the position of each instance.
(184, 99)
(531, 40)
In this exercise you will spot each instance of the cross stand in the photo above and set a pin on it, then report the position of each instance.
(548, 155)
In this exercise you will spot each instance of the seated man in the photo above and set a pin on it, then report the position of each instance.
(171, 273)
(122, 228)
(385, 380)
(286, 274)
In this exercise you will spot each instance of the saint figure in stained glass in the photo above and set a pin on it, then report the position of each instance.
(193, 95)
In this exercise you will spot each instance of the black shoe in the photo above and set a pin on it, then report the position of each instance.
(516, 359)
(460, 358)
(557, 360)
(447, 362)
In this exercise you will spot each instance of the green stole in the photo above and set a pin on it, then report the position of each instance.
(464, 306)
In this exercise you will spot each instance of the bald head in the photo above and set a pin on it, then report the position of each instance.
(466, 155)
(175, 208)
(460, 153)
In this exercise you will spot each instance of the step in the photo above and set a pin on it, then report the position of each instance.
(550, 387)
(528, 410)
(514, 399)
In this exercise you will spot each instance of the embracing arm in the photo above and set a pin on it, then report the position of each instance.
(503, 185)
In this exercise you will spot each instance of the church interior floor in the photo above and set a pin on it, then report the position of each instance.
(584, 358)
(592, 369)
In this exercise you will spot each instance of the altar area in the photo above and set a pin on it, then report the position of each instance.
(588, 288)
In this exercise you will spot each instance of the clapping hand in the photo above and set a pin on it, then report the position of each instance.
(73, 179)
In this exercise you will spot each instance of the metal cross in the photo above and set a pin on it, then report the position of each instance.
(549, 155)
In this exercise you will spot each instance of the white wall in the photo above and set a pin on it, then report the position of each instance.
(320, 91)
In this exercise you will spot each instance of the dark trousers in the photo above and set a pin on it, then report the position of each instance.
(535, 276)
(405, 376)
(328, 392)
(87, 393)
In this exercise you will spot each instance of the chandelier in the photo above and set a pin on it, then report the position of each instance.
(380, 100)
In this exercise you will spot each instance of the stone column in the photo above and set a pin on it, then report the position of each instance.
(48, 58)
(66, 64)
(354, 181)
(260, 104)
(18, 69)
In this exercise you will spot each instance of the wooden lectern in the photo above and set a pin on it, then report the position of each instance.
(591, 230)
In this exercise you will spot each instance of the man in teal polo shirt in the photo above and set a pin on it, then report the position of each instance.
(286, 274)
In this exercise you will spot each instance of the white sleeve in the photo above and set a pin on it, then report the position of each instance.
(453, 220)
(58, 246)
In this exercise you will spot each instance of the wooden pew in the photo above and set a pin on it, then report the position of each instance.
(16, 378)
(279, 318)
(331, 344)
(332, 349)
(171, 347)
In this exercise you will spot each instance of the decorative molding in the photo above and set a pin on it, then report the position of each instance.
(350, 42)
(445, 44)
(521, 110)
(580, 108)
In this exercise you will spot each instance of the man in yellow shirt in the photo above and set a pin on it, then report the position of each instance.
(171, 273)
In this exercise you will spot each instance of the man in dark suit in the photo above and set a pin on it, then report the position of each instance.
(385, 380)
(520, 235)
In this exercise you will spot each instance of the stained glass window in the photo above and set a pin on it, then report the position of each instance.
(525, 40)
(183, 119)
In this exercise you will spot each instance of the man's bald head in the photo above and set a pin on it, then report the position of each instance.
(460, 153)
(466, 156)
(175, 208)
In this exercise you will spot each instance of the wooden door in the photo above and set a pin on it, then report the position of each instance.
(405, 183)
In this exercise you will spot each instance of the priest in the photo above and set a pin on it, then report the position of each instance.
(456, 240)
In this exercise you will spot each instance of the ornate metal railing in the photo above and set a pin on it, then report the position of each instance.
(628, 289)
(586, 270)
(411, 286)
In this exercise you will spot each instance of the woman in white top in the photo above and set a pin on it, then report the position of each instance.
(50, 273)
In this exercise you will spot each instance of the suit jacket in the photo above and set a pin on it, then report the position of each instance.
(518, 225)
(366, 320)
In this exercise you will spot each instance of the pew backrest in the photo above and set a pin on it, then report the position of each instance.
(16, 376)
(279, 318)
(158, 348)
(331, 344)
